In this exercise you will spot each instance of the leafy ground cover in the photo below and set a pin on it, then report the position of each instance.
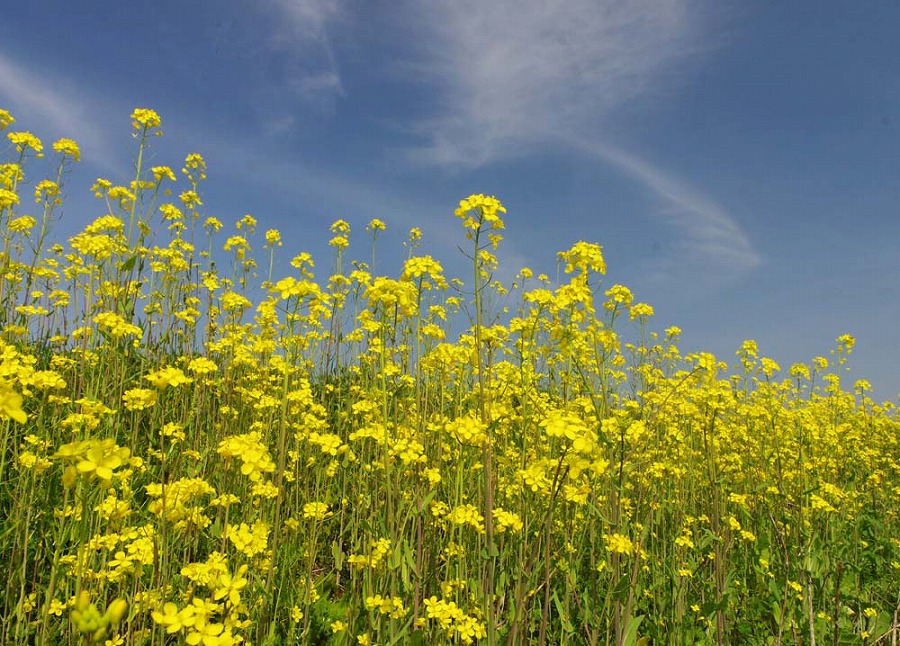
(202, 455)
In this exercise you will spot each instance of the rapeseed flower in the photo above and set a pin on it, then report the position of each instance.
(24, 141)
(560, 424)
(618, 544)
(8, 198)
(68, 148)
(11, 404)
(254, 455)
(316, 511)
(144, 119)
(229, 587)
(250, 540)
(167, 377)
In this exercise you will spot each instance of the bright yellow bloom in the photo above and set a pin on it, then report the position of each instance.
(247, 222)
(11, 404)
(229, 586)
(584, 256)
(339, 242)
(250, 540)
(315, 510)
(254, 455)
(67, 148)
(468, 430)
(144, 119)
(95, 458)
(506, 520)
(165, 377)
(25, 140)
(190, 199)
(194, 162)
(138, 399)
(116, 326)
(618, 544)
(479, 209)
(6, 119)
(22, 224)
(273, 238)
(202, 366)
(7, 198)
(467, 515)
(163, 172)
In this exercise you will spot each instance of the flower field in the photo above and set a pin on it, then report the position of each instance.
(196, 451)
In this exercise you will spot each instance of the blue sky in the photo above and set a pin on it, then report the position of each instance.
(739, 162)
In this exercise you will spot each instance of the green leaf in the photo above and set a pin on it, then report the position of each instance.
(630, 638)
(128, 265)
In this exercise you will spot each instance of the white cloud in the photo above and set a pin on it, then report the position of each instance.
(309, 17)
(25, 92)
(512, 71)
(515, 73)
(711, 232)
(301, 32)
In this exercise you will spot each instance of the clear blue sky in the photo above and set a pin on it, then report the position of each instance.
(739, 162)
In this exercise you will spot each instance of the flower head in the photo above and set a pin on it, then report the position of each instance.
(144, 120)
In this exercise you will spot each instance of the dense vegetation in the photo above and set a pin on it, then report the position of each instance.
(192, 454)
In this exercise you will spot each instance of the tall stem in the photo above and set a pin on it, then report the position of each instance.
(487, 454)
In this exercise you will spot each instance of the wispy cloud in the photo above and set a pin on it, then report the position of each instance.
(515, 73)
(309, 17)
(512, 71)
(311, 72)
(26, 92)
(712, 234)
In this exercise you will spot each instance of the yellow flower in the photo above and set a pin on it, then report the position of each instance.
(315, 510)
(507, 520)
(468, 430)
(116, 326)
(229, 587)
(478, 209)
(202, 366)
(249, 540)
(25, 140)
(6, 119)
(467, 515)
(273, 238)
(618, 295)
(209, 634)
(22, 224)
(640, 310)
(144, 119)
(138, 399)
(162, 172)
(67, 148)
(7, 198)
(101, 458)
(618, 544)
(194, 162)
(190, 199)
(11, 404)
(339, 242)
(165, 377)
(254, 455)
(584, 256)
